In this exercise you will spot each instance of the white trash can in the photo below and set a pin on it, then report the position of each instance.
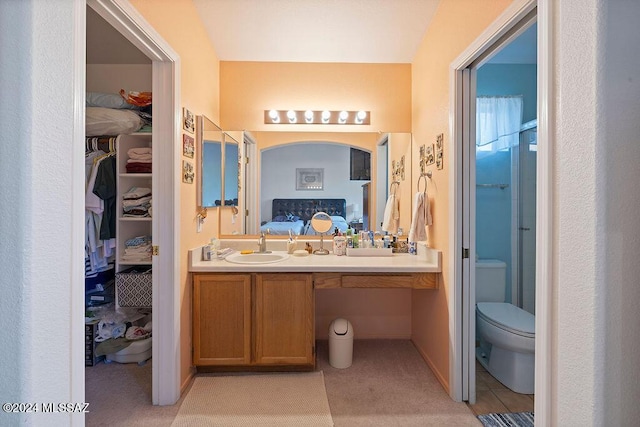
(340, 343)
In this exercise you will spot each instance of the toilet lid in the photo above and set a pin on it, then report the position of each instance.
(509, 317)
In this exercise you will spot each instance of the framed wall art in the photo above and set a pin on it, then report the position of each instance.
(187, 146)
(187, 172)
(309, 179)
(188, 121)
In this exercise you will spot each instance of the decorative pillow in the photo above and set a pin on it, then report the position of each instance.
(335, 219)
(292, 218)
(279, 218)
(107, 100)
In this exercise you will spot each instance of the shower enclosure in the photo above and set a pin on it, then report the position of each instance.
(506, 212)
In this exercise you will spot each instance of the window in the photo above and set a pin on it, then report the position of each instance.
(360, 165)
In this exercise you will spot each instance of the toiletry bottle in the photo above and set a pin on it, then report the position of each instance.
(206, 253)
(339, 245)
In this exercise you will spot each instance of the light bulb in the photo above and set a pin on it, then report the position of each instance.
(274, 116)
(343, 116)
(326, 115)
(361, 116)
(292, 116)
(308, 116)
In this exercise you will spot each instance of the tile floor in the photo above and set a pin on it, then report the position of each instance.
(493, 397)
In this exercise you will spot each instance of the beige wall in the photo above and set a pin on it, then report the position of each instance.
(249, 88)
(179, 24)
(456, 24)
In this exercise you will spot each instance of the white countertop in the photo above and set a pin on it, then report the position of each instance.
(426, 261)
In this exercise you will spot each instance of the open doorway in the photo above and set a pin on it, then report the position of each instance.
(520, 16)
(165, 88)
(504, 156)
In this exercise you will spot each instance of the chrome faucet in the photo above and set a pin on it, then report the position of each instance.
(262, 244)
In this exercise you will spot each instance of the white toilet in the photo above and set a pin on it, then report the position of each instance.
(506, 332)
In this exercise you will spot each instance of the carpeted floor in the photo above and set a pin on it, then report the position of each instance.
(274, 400)
(388, 384)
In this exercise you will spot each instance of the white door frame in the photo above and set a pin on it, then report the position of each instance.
(462, 361)
(166, 132)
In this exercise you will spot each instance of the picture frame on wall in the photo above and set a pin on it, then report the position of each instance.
(430, 158)
(188, 121)
(188, 146)
(309, 178)
(187, 172)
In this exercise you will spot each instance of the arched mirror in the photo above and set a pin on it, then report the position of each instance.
(282, 163)
(209, 141)
(321, 223)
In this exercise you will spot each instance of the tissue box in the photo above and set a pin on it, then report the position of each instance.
(134, 288)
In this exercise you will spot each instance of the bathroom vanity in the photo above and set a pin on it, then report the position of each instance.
(260, 316)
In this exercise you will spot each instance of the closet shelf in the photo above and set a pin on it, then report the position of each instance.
(135, 262)
(133, 219)
(135, 175)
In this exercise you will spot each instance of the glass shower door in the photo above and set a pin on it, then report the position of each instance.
(527, 218)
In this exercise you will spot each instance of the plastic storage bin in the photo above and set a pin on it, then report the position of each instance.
(340, 343)
(138, 352)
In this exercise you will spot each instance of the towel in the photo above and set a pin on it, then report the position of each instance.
(421, 218)
(391, 215)
(141, 153)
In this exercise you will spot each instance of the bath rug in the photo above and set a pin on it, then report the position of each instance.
(280, 400)
(517, 419)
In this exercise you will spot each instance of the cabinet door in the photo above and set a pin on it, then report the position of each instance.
(222, 319)
(284, 330)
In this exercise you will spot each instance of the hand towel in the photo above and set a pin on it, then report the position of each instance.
(391, 215)
(140, 151)
(421, 218)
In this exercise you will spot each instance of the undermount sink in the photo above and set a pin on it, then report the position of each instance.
(256, 258)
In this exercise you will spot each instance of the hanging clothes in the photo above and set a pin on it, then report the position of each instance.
(100, 205)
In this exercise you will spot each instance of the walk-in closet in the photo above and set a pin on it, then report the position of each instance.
(118, 208)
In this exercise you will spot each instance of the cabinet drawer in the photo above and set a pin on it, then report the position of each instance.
(414, 281)
(327, 280)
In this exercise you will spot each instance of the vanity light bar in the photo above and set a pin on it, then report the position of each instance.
(318, 117)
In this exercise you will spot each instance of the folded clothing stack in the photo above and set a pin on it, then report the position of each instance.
(136, 203)
(139, 160)
(137, 249)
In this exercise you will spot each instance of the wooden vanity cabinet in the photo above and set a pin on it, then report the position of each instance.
(221, 319)
(284, 319)
(253, 320)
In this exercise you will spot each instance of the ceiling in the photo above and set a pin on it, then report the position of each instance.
(105, 45)
(363, 31)
(352, 31)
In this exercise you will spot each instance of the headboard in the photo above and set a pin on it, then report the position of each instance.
(305, 208)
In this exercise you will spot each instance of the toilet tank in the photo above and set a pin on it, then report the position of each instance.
(491, 276)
